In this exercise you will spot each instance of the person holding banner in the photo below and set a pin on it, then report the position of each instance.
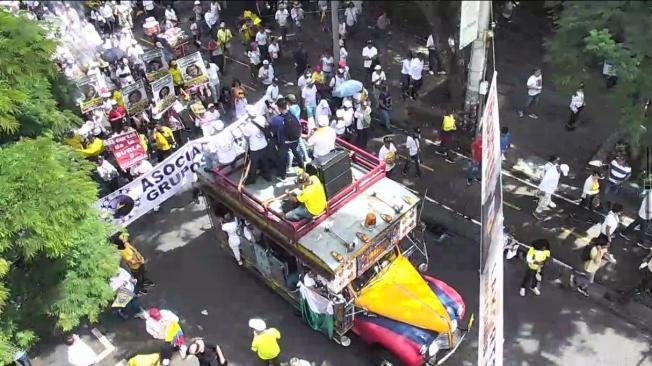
(164, 140)
(108, 174)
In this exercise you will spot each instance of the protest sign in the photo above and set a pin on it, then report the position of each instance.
(135, 97)
(90, 89)
(193, 70)
(162, 94)
(156, 65)
(127, 149)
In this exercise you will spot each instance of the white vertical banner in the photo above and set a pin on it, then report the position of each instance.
(490, 345)
(469, 22)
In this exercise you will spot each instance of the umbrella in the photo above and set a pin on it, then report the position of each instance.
(113, 54)
(347, 89)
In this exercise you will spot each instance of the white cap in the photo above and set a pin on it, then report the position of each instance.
(347, 103)
(112, 102)
(341, 42)
(322, 120)
(257, 324)
(339, 113)
(251, 110)
(378, 67)
(564, 169)
(265, 62)
(197, 2)
(222, 25)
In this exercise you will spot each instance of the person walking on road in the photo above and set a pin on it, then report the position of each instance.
(548, 186)
(641, 221)
(134, 261)
(576, 105)
(369, 57)
(592, 256)
(385, 106)
(645, 284)
(590, 190)
(416, 75)
(164, 325)
(609, 227)
(387, 153)
(619, 173)
(447, 137)
(230, 227)
(536, 258)
(265, 343)
(405, 74)
(413, 146)
(534, 87)
(474, 169)
(434, 61)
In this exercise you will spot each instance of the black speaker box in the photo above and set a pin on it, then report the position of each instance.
(334, 171)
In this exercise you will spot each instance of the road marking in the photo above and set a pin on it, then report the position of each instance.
(424, 166)
(108, 347)
(511, 206)
(581, 238)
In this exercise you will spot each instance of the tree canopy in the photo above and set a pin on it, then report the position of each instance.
(28, 80)
(587, 34)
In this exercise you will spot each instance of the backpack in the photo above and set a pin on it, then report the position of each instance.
(586, 252)
(291, 127)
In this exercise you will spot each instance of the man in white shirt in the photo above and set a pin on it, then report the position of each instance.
(303, 81)
(108, 173)
(369, 57)
(351, 16)
(337, 79)
(378, 79)
(257, 144)
(309, 96)
(214, 81)
(266, 73)
(79, 353)
(642, 220)
(230, 227)
(323, 139)
(416, 75)
(609, 227)
(405, 74)
(548, 186)
(362, 123)
(387, 153)
(576, 106)
(413, 146)
(261, 40)
(343, 52)
(297, 14)
(271, 94)
(433, 56)
(210, 122)
(534, 87)
(281, 17)
(211, 19)
(170, 14)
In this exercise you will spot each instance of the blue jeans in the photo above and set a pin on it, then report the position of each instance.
(532, 100)
(298, 214)
(385, 117)
(310, 112)
(473, 172)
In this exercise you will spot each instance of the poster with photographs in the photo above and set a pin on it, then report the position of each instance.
(193, 70)
(135, 97)
(156, 65)
(162, 94)
(90, 93)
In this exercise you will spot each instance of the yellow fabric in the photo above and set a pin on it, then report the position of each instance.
(534, 255)
(449, 123)
(152, 359)
(171, 330)
(93, 149)
(162, 137)
(132, 257)
(74, 142)
(176, 76)
(143, 141)
(313, 196)
(318, 77)
(265, 344)
(401, 294)
(117, 96)
(591, 266)
(595, 187)
(224, 36)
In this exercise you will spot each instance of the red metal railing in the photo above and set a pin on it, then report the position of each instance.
(294, 230)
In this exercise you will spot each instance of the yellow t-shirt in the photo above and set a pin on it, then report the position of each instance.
(176, 76)
(132, 257)
(224, 36)
(449, 123)
(313, 197)
(93, 149)
(117, 96)
(537, 256)
(143, 141)
(162, 138)
(145, 360)
(318, 77)
(265, 344)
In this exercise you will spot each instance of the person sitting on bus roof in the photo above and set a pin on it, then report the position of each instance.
(312, 198)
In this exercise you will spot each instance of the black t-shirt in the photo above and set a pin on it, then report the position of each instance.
(209, 357)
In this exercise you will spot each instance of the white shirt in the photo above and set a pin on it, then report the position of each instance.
(612, 221)
(226, 152)
(210, 19)
(255, 136)
(351, 16)
(412, 145)
(341, 29)
(282, 17)
(106, 11)
(430, 43)
(273, 50)
(170, 14)
(327, 63)
(210, 123)
(577, 101)
(550, 180)
(80, 354)
(141, 168)
(309, 95)
(213, 76)
(261, 38)
(416, 68)
(336, 81)
(156, 328)
(588, 186)
(254, 57)
(348, 116)
(322, 141)
(272, 93)
(377, 78)
(297, 14)
(106, 171)
(301, 83)
(405, 66)
(148, 4)
(266, 76)
(359, 117)
(534, 85)
(383, 153)
(369, 52)
(322, 109)
(343, 53)
(231, 230)
(645, 211)
(339, 126)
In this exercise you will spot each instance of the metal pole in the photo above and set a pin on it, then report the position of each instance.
(335, 25)
(478, 61)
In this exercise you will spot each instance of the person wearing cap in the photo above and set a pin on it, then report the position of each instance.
(323, 139)
(323, 109)
(311, 198)
(362, 123)
(413, 146)
(126, 302)
(342, 65)
(133, 260)
(254, 59)
(163, 137)
(309, 96)
(287, 133)
(266, 73)
(416, 75)
(473, 171)
(548, 186)
(378, 78)
(293, 107)
(239, 97)
(117, 115)
(297, 14)
(211, 19)
(388, 154)
(348, 116)
(303, 80)
(338, 124)
(265, 342)
(274, 50)
(537, 256)
(317, 77)
(369, 57)
(262, 38)
(224, 37)
(164, 325)
(385, 105)
(254, 131)
(281, 16)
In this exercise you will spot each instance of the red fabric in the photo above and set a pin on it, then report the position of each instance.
(402, 347)
(117, 113)
(476, 149)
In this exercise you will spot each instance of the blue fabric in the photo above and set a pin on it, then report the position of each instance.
(449, 304)
(415, 334)
(295, 110)
(277, 128)
(505, 141)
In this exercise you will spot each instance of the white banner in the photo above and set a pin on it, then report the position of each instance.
(469, 22)
(490, 345)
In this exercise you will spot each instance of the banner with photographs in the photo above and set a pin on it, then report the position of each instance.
(193, 70)
(162, 94)
(127, 149)
(156, 65)
(135, 97)
(90, 90)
